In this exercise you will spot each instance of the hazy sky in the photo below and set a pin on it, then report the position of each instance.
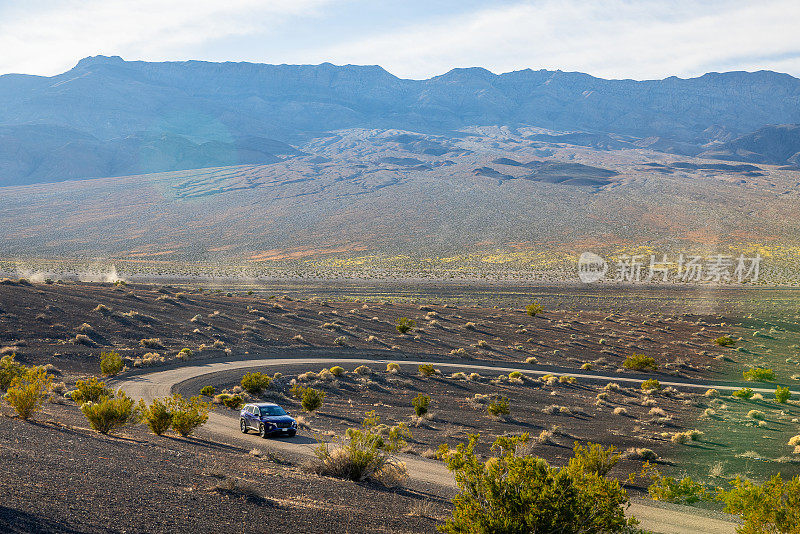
(412, 38)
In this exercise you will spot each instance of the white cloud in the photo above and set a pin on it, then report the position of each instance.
(49, 37)
(606, 38)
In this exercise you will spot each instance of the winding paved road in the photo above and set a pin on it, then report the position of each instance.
(667, 519)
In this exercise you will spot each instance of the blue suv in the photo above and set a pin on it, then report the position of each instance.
(268, 419)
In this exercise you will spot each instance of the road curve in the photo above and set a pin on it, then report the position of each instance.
(667, 519)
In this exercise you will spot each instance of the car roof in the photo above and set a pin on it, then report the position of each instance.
(262, 404)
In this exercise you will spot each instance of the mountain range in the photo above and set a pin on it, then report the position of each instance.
(110, 117)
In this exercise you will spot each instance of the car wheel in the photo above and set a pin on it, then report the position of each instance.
(243, 426)
(292, 433)
(262, 431)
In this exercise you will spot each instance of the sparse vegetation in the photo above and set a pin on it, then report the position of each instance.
(427, 369)
(110, 363)
(337, 370)
(640, 362)
(782, 394)
(420, 404)
(90, 390)
(109, 413)
(256, 383)
(534, 309)
(404, 325)
(312, 399)
(743, 393)
(208, 391)
(500, 407)
(725, 341)
(759, 374)
(522, 493)
(188, 415)
(28, 391)
(773, 506)
(9, 370)
(157, 416)
(651, 384)
(367, 453)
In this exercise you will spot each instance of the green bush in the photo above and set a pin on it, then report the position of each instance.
(297, 391)
(725, 341)
(515, 375)
(9, 370)
(234, 402)
(255, 383)
(744, 393)
(782, 395)
(534, 309)
(594, 458)
(759, 374)
(404, 324)
(420, 404)
(90, 391)
(392, 367)
(640, 362)
(28, 392)
(513, 493)
(208, 391)
(336, 370)
(683, 491)
(157, 416)
(651, 384)
(188, 415)
(499, 407)
(366, 453)
(110, 413)
(312, 399)
(773, 506)
(110, 363)
(427, 369)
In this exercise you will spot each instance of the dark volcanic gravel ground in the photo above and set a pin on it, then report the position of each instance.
(62, 477)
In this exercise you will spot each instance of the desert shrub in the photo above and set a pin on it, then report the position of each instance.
(744, 393)
(711, 393)
(341, 340)
(420, 404)
(427, 369)
(566, 379)
(514, 375)
(9, 370)
(362, 370)
(365, 453)
(532, 360)
(513, 493)
(404, 324)
(725, 341)
(499, 407)
(28, 392)
(157, 416)
(90, 391)
(651, 384)
(109, 413)
(758, 415)
(336, 370)
(185, 354)
(586, 366)
(640, 362)
(773, 506)
(534, 309)
(151, 343)
(234, 402)
(594, 458)
(782, 395)
(759, 374)
(470, 325)
(312, 399)
(83, 339)
(110, 363)
(208, 391)
(188, 415)
(255, 383)
(683, 491)
(392, 368)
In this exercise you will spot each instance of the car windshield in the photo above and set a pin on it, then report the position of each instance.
(272, 410)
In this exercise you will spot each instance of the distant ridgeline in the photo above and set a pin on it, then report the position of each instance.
(109, 117)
